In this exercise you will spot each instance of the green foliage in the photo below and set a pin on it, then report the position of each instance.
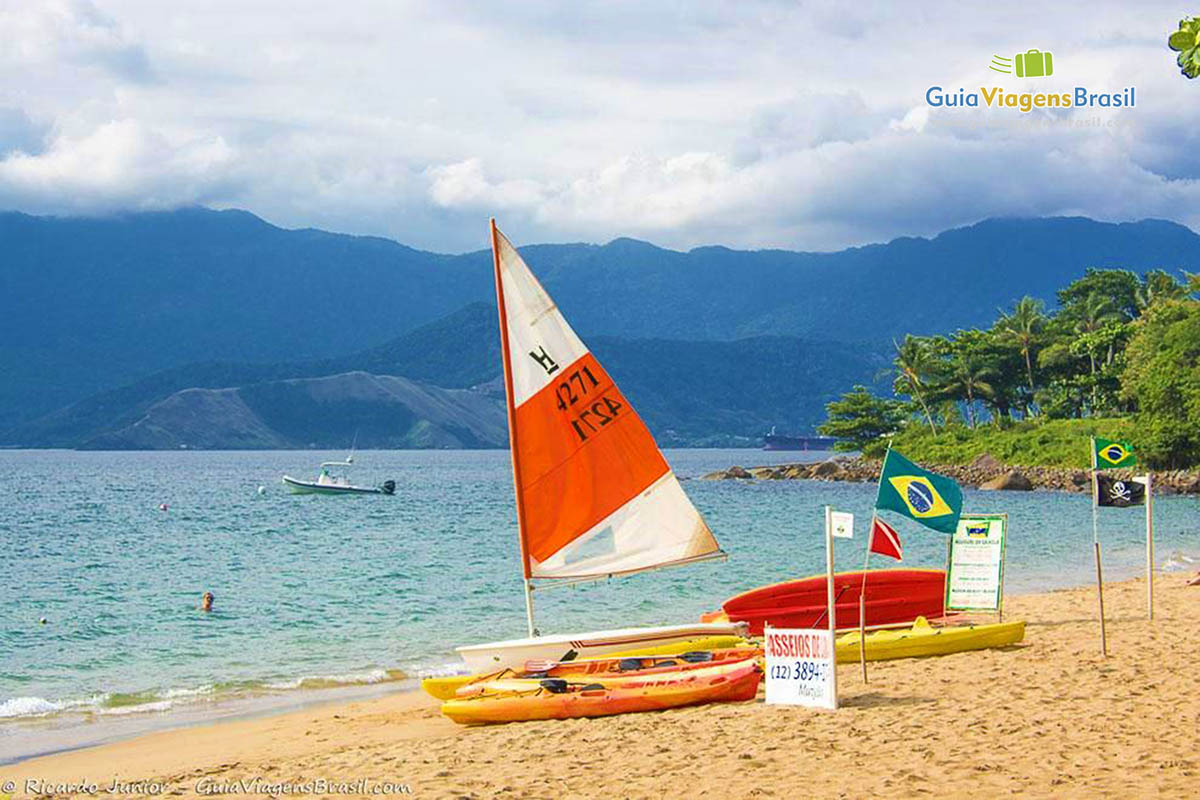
(1162, 377)
(914, 362)
(1118, 345)
(1061, 442)
(861, 420)
(1101, 292)
(1187, 41)
(1023, 329)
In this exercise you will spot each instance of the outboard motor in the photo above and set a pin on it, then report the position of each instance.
(389, 487)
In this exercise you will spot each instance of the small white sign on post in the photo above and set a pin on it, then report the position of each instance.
(975, 574)
(800, 667)
(843, 524)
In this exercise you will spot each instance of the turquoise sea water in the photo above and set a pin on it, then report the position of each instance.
(322, 591)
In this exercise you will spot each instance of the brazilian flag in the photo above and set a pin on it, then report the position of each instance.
(1111, 454)
(933, 500)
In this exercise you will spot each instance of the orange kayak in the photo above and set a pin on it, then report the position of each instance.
(609, 672)
(731, 682)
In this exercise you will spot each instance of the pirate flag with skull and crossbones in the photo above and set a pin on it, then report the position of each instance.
(1120, 493)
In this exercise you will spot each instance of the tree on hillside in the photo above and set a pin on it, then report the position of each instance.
(1092, 314)
(1162, 376)
(1118, 286)
(859, 419)
(1157, 285)
(914, 365)
(966, 371)
(1023, 327)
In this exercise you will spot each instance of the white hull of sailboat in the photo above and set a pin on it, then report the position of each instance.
(515, 652)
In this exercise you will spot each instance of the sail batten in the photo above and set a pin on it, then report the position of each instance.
(595, 496)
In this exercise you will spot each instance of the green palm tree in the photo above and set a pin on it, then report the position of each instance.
(966, 378)
(1094, 313)
(1023, 327)
(1157, 285)
(914, 364)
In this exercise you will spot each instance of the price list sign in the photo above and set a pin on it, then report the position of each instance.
(800, 667)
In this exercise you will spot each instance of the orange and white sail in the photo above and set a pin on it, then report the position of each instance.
(595, 496)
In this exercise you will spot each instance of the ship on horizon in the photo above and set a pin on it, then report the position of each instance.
(779, 441)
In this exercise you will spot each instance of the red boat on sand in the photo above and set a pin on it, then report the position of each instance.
(893, 597)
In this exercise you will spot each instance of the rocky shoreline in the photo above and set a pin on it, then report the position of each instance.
(985, 472)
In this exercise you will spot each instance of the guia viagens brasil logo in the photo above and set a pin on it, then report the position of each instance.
(1032, 63)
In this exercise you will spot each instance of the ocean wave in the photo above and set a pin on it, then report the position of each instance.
(141, 708)
(151, 700)
(17, 707)
(28, 707)
(378, 675)
(442, 670)
(1178, 562)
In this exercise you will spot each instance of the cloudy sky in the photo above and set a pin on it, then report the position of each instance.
(752, 124)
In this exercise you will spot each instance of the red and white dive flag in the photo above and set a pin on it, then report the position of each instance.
(595, 496)
(885, 540)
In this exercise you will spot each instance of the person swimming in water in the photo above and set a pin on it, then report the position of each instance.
(206, 601)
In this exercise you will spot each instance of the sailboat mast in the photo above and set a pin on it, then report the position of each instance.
(512, 428)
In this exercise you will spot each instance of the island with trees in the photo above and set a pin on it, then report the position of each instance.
(1015, 404)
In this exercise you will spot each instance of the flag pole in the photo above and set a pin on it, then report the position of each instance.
(1096, 548)
(862, 592)
(829, 598)
(1149, 545)
(862, 605)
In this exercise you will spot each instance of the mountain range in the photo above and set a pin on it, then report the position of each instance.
(95, 312)
(689, 393)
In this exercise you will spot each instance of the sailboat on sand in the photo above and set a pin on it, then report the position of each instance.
(595, 496)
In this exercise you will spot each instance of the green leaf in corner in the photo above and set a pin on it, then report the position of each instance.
(1181, 40)
(1192, 68)
(1187, 41)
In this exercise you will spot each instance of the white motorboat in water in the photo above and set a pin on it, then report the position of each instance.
(333, 480)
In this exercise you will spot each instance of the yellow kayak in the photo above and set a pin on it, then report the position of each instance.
(445, 687)
(924, 640)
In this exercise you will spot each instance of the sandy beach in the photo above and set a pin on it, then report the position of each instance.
(1048, 718)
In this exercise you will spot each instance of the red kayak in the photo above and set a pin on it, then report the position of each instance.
(894, 597)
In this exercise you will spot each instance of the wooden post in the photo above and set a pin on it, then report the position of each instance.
(862, 631)
(1003, 547)
(1149, 546)
(1100, 594)
(862, 604)
(1096, 544)
(829, 596)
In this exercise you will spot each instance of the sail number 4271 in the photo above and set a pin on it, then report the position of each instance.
(588, 413)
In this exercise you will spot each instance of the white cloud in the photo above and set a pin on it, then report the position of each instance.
(763, 124)
(463, 185)
(121, 164)
(55, 33)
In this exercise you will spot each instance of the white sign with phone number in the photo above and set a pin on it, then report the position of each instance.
(800, 665)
